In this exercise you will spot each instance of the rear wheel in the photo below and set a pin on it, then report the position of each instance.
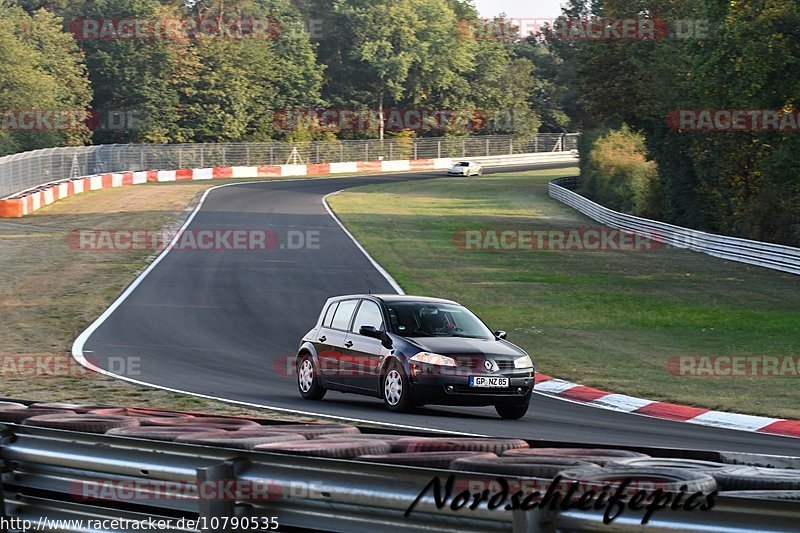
(512, 411)
(396, 390)
(308, 380)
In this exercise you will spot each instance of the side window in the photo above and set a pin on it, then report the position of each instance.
(341, 318)
(326, 322)
(369, 314)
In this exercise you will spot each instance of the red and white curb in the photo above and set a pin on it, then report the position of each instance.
(574, 392)
(27, 201)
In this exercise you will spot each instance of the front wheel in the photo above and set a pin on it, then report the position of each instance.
(307, 379)
(397, 390)
(512, 411)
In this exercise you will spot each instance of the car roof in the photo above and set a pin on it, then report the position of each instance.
(397, 298)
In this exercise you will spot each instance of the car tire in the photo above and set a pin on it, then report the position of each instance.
(513, 411)
(396, 389)
(308, 379)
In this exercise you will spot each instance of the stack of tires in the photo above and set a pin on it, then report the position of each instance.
(511, 458)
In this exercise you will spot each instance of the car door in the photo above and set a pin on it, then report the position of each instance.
(332, 337)
(365, 353)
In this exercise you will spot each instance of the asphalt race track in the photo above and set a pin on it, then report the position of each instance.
(224, 324)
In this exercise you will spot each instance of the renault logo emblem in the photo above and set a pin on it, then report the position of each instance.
(490, 365)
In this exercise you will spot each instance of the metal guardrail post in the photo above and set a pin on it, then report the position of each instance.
(6, 436)
(216, 476)
(528, 521)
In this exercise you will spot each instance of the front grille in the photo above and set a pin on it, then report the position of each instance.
(476, 363)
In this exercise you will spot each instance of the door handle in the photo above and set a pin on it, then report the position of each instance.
(323, 338)
(348, 344)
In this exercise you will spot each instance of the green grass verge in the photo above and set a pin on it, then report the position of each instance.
(609, 319)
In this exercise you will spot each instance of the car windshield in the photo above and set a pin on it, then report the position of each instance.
(426, 319)
(463, 164)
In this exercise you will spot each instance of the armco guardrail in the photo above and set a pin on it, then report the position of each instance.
(772, 256)
(523, 159)
(68, 475)
(30, 169)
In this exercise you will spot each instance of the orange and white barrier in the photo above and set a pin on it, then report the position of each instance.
(28, 201)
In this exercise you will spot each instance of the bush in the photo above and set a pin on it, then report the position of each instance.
(616, 173)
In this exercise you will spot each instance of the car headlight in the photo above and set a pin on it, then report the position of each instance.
(434, 359)
(523, 362)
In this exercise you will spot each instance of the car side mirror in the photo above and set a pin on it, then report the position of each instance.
(369, 331)
(500, 335)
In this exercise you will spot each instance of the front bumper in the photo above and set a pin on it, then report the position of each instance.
(455, 390)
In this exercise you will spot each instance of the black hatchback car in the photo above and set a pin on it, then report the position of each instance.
(412, 350)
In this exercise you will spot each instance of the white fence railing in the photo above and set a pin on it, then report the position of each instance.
(773, 256)
(524, 159)
(30, 169)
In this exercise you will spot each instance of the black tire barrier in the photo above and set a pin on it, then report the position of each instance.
(520, 465)
(228, 424)
(755, 478)
(82, 422)
(599, 456)
(666, 479)
(80, 408)
(16, 416)
(436, 444)
(11, 405)
(668, 462)
(169, 433)
(240, 439)
(331, 449)
(792, 495)
(422, 459)
(309, 431)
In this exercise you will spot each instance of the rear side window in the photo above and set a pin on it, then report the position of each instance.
(326, 322)
(341, 318)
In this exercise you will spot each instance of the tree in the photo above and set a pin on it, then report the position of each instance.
(40, 69)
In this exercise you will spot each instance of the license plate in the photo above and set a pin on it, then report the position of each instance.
(487, 382)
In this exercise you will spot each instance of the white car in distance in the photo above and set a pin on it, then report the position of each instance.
(465, 168)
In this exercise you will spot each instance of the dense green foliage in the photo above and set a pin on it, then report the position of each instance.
(742, 183)
(354, 55)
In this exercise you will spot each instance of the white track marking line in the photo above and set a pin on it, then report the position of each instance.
(378, 267)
